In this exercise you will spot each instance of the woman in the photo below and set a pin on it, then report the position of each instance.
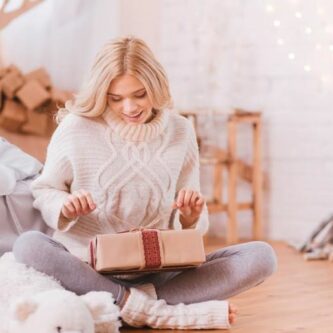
(119, 159)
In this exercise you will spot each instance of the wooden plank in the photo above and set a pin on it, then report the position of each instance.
(218, 155)
(232, 230)
(257, 184)
(245, 171)
(215, 207)
(218, 182)
(7, 17)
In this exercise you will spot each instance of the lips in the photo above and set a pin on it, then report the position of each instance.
(133, 117)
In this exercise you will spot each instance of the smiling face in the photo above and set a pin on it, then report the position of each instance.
(128, 98)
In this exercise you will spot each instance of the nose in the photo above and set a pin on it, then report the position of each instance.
(129, 105)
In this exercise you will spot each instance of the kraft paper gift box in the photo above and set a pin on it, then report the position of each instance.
(147, 250)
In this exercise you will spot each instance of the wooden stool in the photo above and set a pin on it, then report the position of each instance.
(236, 169)
(251, 173)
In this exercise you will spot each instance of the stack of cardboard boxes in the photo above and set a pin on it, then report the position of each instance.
(28, 103)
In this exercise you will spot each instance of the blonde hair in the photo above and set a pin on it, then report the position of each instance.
(126, 55)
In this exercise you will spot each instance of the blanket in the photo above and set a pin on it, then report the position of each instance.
(18, 280)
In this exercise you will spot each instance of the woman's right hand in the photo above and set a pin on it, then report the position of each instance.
(79, 203)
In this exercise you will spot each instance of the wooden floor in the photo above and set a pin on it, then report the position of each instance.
(298, 298)
(33, 145)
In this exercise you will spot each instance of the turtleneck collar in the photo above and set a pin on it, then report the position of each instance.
(137, 132)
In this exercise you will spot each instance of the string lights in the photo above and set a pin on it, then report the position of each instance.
(318, 33)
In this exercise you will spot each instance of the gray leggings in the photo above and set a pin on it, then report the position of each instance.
(226, 272)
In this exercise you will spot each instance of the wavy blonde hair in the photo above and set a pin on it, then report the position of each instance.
(126, 55)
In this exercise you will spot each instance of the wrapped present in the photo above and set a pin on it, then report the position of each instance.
(146, 250)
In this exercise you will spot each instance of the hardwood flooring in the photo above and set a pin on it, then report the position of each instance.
(298, 298)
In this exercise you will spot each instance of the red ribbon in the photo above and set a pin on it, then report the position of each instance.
(151, 248)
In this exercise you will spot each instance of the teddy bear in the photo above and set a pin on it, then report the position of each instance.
(29, 297)
(61, 311)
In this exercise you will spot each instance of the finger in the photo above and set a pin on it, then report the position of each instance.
(187, 197)
(83, 202)
(199, 204)
(174, 205)
(85, 205)
(69, 202)
(90, 201)
(76, 203)
(68, 210)
(86, 201)
(180, 199)
(200, 201)
(195, 197)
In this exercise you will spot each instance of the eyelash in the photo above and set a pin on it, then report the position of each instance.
(118, 100)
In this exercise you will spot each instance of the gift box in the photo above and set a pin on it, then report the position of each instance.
(147, 250)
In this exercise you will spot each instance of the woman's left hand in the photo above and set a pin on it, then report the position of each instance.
(190, 204)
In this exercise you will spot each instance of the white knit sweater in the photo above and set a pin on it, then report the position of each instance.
(133, 173)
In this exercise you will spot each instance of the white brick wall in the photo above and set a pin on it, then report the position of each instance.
(222, 54)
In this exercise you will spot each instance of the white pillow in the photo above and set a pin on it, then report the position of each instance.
(15, 165)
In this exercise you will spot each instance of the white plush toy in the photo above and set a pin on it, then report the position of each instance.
(61, 311)
(32, 302)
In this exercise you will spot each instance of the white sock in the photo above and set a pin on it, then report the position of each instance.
(142, 310)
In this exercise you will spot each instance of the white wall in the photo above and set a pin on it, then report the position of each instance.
(62, 36)
(141, 19)
(223, 54)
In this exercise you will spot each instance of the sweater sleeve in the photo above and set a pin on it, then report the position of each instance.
(190, 177)
(51, 188)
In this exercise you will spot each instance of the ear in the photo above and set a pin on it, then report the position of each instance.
(23, 308)
(99, 304)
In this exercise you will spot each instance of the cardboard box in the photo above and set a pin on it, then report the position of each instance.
(13, 116)
(147, 250)
(11, 83)
(3, 72)
(13, 69)
(60, 97)
(1, 97)
(33, 95)
(41, 76)
(37, 123)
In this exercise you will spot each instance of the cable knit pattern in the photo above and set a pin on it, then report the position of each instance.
(133, 173)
